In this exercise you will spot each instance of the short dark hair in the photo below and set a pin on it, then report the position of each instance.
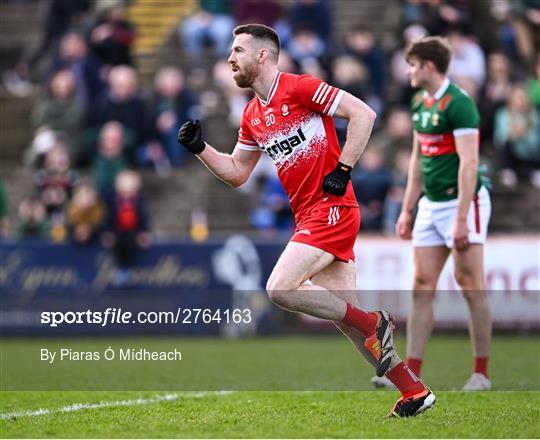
(434, 49)
(260, 32)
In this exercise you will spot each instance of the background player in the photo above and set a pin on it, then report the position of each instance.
(453, 214)
(290, 119)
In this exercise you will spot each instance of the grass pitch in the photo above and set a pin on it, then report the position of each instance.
(291, 414)
(315, 364)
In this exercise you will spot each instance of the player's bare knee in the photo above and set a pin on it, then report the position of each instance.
(467, 280)
(278, 290)
(424, 282)
(281, 298)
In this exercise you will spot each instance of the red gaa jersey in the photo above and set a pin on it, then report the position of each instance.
(295, 128)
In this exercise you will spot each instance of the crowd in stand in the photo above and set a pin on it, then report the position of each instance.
(89, 118)
(92, 114)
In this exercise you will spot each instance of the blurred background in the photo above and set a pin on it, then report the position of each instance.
(96, 195)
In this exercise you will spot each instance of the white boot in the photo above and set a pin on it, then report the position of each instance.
(477, 382)
(382, 382)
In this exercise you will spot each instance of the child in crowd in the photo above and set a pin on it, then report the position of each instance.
(85, 215)
(127, 229)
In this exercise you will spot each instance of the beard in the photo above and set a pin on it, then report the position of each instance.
(247, 78)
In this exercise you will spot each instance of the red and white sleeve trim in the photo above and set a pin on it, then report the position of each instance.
(333, 102)
(327, 97)
(324, 96)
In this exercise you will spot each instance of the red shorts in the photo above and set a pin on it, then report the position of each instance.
(332, 229)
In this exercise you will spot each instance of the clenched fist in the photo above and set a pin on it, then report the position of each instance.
(190, 136)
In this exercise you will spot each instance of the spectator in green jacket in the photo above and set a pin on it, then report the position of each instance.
(61, 111)
(110, 160)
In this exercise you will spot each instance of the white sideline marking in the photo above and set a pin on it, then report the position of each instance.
(116, 403)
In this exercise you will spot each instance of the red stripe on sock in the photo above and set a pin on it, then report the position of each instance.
(365, 322)
(415, 365)
(405, 380)
(480, 365)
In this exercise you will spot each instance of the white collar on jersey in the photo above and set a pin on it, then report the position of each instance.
(440, 91)
(272, 90)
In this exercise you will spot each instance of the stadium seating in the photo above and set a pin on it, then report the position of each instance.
(172, 198)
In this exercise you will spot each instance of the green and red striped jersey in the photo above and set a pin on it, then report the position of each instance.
(438, 120)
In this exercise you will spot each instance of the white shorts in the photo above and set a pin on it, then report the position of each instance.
(434, 224)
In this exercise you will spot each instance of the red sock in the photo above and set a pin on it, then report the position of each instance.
(480, 365)
(365, 322)
(415, 365)
(405, 380)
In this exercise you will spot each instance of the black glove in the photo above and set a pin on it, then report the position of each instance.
(336, 182)
(190, 136)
